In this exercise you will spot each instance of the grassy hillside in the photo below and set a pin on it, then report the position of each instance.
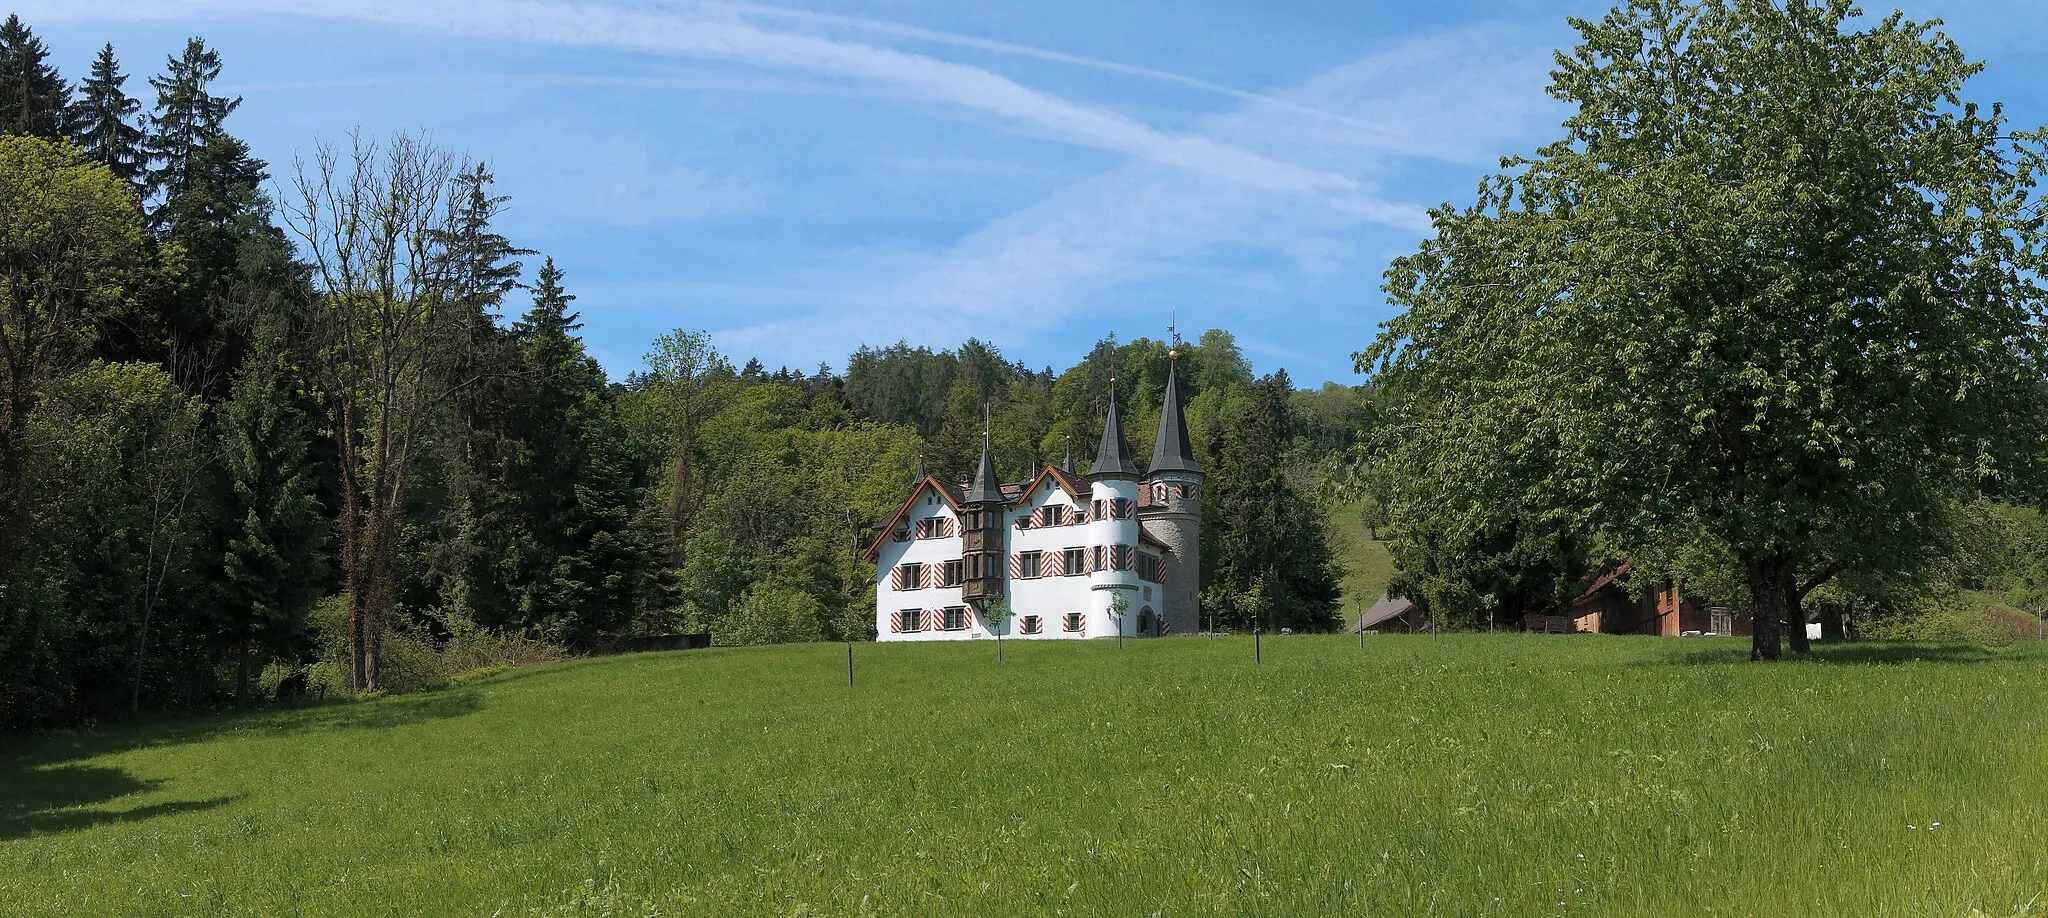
(1367, 566)
(1479, 775)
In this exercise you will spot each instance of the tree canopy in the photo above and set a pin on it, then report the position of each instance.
(1774, 289)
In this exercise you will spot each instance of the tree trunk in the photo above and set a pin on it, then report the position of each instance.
(378, 591)
(1767, 602)
(242, 671)
(679, 497)
(1832, 628)
(1795, 611)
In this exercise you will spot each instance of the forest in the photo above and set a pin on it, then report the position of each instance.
(325, 430)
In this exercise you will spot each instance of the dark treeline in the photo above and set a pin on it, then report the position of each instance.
(330, 431)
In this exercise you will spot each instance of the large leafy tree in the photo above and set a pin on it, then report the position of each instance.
(34, 99)
(69, 245)
(103, 121)
(1774, 290)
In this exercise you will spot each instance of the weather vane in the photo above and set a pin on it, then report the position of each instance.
(1173, 334)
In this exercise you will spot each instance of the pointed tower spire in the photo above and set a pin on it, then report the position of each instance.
(1113, 455)
(986, 488)
(1170, 450)
(920, 477)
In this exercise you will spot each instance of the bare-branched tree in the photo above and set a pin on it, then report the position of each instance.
(390, 328)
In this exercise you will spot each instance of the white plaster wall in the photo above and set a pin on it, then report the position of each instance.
(1103, 584)
(1050, 598)
(925, 551)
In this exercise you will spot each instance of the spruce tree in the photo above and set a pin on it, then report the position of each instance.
(205, 196)
(1263, 540)
(102, 121)
(34, 99)
(578, 563)
(276, 560)
(187, 117)
(470, 530)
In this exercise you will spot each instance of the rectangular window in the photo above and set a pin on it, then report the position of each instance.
(937, 527)
(907, 577)
(902, 533)
(1028, 563)
(1075, 562)
(1030, 624)
(1119, 557)
(956, 618)
(1150, 568)
(908, 620)
(1071, 621)
(950, 574)
(1122, 508)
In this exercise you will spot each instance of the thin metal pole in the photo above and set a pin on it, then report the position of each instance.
(849, 664)
(1257, 655)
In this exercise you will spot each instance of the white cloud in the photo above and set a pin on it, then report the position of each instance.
(732, 39)
(915, 33)
(570, 179)
(1460, 97)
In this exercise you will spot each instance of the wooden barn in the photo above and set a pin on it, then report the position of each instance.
(1392, 615)
(1666, 610)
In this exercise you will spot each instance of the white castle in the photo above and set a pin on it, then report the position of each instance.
(1060, 548)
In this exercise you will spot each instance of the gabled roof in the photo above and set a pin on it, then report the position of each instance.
(950, 494)
(1146, 538)
(1389, 608)
(1075, 488)
(1599, 583)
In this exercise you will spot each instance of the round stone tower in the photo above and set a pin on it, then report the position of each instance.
(1172, 510)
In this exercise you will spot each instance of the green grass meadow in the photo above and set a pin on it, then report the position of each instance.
(1368, 566)
(1476, 775)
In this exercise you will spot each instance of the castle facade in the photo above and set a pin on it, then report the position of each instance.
(1117, 550)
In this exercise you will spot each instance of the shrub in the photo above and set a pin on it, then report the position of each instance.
(768, 613)
(414, 658)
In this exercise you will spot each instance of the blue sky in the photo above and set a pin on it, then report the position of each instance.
(801, 178)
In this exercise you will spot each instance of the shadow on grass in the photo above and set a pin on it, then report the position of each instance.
(44, 801)
(1861, 653)
(43, 784)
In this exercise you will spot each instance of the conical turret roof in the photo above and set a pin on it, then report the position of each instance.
(1113, 456)
(1170, 450)
(986, 488)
